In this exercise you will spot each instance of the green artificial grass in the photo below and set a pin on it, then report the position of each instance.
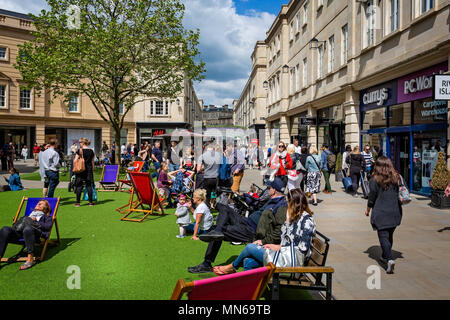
(35, 176)
(117, 259)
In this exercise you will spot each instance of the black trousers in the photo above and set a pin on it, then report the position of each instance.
(234, 227)
(355, 176)
(386, 238)
(29, 234)
(80, 181)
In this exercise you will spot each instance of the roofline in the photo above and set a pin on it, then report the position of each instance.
(15, 14)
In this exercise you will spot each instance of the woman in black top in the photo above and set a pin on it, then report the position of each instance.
(385, 205)
(303, 157)
(87, 176)
(357, 164)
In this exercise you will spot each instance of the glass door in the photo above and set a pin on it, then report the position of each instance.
(400, 154)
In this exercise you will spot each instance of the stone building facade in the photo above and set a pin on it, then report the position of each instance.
(218, 116)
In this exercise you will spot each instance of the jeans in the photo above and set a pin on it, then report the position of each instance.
(53, 178)
(386, 241)
(173, 167)
(29, 234)
(191, 228)
(157, 165)
(326, 175)
(251, 257)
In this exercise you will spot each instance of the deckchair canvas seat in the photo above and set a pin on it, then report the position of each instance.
(110, 175)
(30, 205)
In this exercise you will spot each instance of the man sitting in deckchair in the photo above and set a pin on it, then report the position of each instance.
(31, 233)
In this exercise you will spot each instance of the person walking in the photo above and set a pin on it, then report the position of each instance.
(294, 174)
(85, 178)
(4, 157)
(24, 153)
(313, 177)
(209, 162)
(36, 150)
(51, 163)
(174, 156)
(157, 158)
(237, 161)
(368, 158)
(279, 163)
(356, 165)
(324, 167)
(385, 206)
(44, 178)
(303, 156)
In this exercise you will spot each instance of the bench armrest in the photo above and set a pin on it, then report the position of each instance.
(304, 270)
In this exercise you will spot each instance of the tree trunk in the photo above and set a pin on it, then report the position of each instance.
(118, 146)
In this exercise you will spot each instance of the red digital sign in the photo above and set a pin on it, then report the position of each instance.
(158, 132)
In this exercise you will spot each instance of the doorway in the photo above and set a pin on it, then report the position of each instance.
(400, 145)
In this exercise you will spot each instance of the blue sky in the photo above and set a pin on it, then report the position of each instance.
(229, 30)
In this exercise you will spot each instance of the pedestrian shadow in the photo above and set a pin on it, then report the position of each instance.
(444, 229)
(72, 201)
(374, 253)
(230, 260)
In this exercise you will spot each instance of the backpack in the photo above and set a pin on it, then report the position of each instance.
(331, 161)
(178, 183)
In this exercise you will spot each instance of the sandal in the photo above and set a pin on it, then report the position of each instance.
(218, 271)
(26, 265)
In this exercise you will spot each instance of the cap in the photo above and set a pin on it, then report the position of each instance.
(278, 185)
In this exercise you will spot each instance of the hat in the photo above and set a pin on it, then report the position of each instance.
(277, 184)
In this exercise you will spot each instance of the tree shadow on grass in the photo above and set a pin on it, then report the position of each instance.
(52, 250)
(374, 253)
(69, 201)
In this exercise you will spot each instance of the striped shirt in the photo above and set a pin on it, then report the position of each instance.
(368, 158)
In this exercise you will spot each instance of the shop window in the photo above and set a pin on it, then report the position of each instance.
(427, 145)
(373, 119)
(430, 111)
(377, 141)
(400, 115)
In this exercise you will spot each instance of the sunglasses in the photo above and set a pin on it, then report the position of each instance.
(280, 146)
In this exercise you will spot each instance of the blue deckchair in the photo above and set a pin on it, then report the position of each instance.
(109, 179)
(30, 205)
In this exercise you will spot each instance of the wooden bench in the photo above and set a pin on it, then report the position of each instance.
(310, 275)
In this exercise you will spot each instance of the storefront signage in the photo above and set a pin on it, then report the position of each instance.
(379, 96)
(158, 132)
(441, 87)
(419, 85)
(308, 121)
(325, 121)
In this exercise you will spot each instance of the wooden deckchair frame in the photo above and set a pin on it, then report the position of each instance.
(182, 287)
(46, 242)
(109, 187)
(156, 209)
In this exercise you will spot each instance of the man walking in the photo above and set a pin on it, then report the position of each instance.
(209, 163)
(11, 155)
(368, 158)
(50, 161)
(237, 161)
(325, 170)
(36, 150)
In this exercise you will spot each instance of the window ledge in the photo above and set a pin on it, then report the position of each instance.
(367, 49)
(391, 35)
(26, 110)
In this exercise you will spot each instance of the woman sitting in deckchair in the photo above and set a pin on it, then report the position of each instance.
(31, 234)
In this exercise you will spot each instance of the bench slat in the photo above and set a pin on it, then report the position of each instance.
(304, 270)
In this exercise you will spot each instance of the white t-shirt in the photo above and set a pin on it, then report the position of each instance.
(298, 150)
(122, 149)
(207, 219)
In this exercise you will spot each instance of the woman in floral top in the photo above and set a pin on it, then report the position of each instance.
(298, 230)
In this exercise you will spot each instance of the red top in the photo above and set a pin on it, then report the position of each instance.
(36, 149)
(282, 170)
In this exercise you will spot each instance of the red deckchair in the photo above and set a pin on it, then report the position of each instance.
(246, 285)
(137, 168)
(147, 198)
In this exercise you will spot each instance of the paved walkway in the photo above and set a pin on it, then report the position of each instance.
(421, 245)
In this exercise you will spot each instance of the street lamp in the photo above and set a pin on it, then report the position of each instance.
(285, 68)
(314, 43)
(266, 84)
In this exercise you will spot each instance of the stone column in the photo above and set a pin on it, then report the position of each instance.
(351, 112)
(268, 134)
(131, 135)
(312, 130)
(284, 129)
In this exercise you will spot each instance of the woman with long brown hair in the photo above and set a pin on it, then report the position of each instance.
(385, 206)
(297, 234)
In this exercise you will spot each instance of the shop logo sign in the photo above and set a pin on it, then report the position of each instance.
(379, 96)
(419, 84)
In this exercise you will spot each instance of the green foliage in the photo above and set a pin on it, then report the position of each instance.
(118, 53)
(441, 175)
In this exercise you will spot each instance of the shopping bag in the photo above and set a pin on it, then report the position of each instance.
(94, 193)
(347, 181)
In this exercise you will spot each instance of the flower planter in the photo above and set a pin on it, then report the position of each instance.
(439, 200)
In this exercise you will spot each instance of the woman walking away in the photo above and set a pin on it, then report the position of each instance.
(357, 164)
(385, 206)
(314, 174)
(87, 176)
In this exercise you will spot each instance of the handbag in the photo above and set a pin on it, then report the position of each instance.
(285, 257)
(403, 193)
(94, 193)
(78, 164)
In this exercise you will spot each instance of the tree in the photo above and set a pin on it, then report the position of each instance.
(116, 52)
(441, 175)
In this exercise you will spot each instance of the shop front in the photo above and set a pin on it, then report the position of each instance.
(331, 128)
(401, 120)
(151, 132)
(299, 128)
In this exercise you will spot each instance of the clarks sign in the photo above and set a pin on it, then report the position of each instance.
(419, 85)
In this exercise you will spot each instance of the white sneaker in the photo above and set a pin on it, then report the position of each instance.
(390, 266)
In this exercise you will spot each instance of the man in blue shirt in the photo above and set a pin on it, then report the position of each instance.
(325, 171)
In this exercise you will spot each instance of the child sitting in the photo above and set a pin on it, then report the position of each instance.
(164, 184)
(182, 214)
